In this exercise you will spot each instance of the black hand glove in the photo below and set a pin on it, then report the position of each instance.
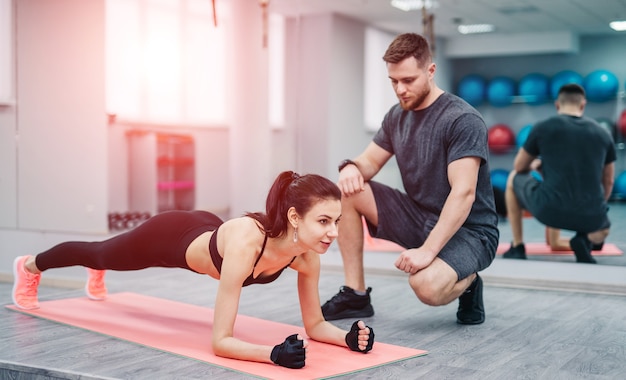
(290, 353)
(352, 338)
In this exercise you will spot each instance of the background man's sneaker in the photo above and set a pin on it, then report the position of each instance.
(25, 285)
(582, 248)
(471, 309)
(348, 304)
(517, 252)
(95, 288)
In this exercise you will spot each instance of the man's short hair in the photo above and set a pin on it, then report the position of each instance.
(408, 45)
(571, 93)
(572, 88)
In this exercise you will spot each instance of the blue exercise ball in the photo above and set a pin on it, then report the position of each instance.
(561, 78)
(619, 187)
(601, 85)
(472, 89)
(534, 88)
(500, 91)
(499, 178)
(522, 135)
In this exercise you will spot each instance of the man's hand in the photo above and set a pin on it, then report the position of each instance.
(350, 181)
(413, 260)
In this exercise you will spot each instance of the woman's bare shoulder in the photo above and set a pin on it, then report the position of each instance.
(241, 231)
(243, 224)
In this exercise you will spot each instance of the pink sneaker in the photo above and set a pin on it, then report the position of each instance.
(95, 288)
(24, 285)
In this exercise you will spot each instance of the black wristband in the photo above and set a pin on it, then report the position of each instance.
(345, 163)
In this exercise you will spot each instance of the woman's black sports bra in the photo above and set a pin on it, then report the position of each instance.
(217, 261)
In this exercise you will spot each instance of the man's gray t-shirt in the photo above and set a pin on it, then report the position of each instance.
(425, 142)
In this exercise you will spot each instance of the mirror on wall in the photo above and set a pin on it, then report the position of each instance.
(583, 47)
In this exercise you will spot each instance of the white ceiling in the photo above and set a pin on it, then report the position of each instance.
(581, 17)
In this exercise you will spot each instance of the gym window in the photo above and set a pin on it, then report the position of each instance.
(166, 61)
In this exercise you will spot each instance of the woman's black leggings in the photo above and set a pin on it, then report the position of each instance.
(160, 241)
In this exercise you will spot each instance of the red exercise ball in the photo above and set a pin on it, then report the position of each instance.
(501, 138)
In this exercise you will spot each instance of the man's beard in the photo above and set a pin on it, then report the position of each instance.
(416, 102)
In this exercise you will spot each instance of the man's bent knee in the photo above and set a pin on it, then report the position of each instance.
(428, 296)
(598, 236)
(429, 292)
(436, 284)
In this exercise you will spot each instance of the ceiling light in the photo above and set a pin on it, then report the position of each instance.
(413, 5)
(476, 28)
(620, 26)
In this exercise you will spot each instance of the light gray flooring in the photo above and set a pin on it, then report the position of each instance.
(569, 333)
(529, 334)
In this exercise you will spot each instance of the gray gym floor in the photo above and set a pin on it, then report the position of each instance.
(547, 318)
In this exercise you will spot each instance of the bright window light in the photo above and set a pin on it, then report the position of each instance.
(620, 26)
(412, 5)
(476, 28)
(165, 62)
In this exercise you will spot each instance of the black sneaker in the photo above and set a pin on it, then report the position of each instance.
(517, 252)
(471, 309)
(582, 248)
(348, 304)
(597, 247)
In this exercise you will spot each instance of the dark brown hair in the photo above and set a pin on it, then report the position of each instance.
(408, 45)
(292, 190)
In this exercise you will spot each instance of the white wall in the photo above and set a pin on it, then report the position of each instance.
(8, 157)
(61, 121)
(8, 167)
(53, 141)
(347, 134)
